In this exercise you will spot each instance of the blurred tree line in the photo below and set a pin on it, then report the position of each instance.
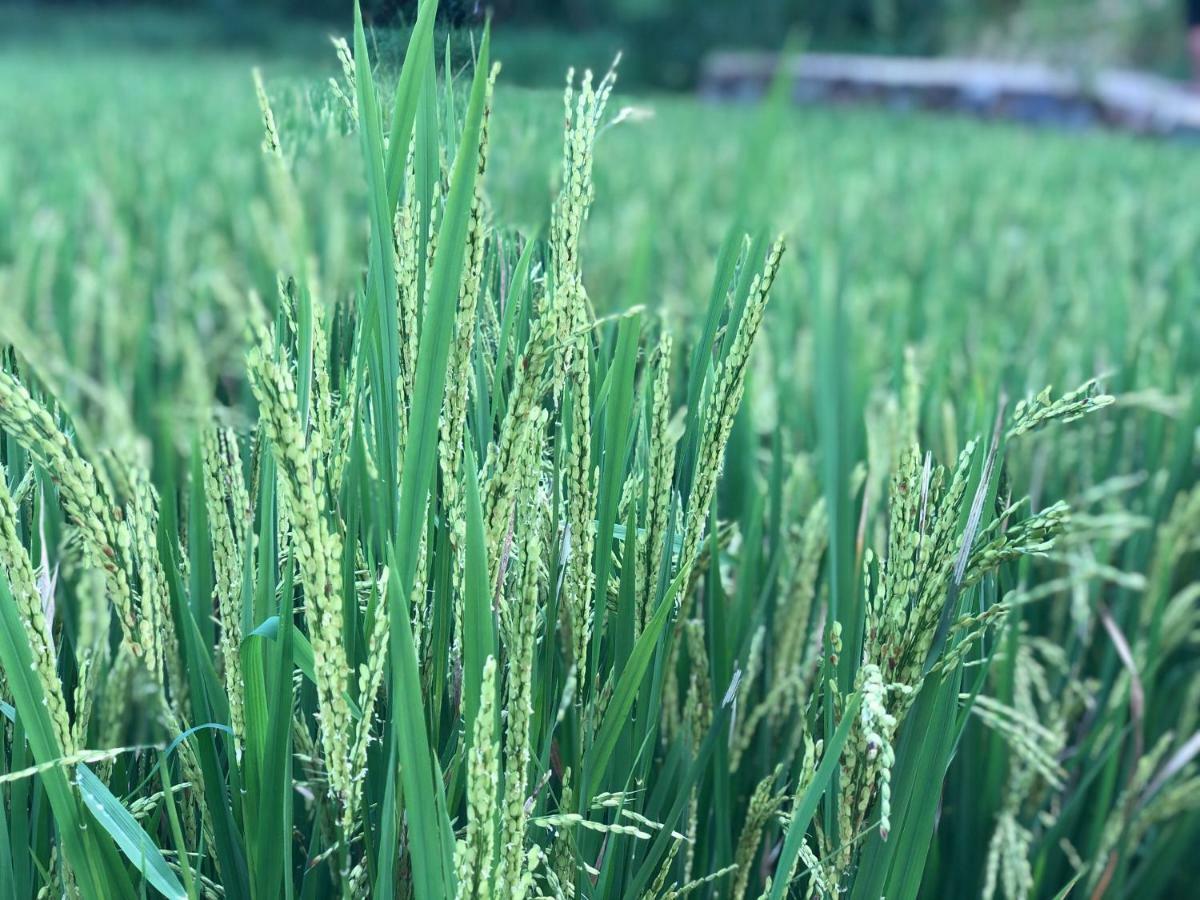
(891, 20)
(665, 41)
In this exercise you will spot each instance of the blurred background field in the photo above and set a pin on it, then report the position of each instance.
(665, 40)
(129, 176)
(136, 215)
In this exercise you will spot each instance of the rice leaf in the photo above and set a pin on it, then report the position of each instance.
(137, 846)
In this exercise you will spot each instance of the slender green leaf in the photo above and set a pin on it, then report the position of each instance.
(128, 834)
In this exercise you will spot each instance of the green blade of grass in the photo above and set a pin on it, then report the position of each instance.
(404, 106)
(893, 867)
(479, 635)
(91, 858)
(301, 650)
(429, 830)
(206, 697)
(596, 757)
(423, 788)
(185, 867)
(137, 846)
(806, 807)
(436, 332)
(617, 424)
(383, 365)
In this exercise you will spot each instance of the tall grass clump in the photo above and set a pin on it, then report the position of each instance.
(460, 578)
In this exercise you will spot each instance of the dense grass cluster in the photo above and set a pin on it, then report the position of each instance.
(378, 520)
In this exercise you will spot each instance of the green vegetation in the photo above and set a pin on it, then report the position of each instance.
(665, 41)
(396, 505)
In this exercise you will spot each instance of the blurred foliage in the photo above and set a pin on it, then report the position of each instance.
(132, 193)
(665, 41)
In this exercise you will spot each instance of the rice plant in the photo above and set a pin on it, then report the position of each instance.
(458, 577)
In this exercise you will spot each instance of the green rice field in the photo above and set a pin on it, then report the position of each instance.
(416, 485)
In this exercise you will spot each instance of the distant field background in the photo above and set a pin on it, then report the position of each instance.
(136, 216)
(665, 40)
(993, 233)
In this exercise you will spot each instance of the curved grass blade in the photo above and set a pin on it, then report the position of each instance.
(128, 834)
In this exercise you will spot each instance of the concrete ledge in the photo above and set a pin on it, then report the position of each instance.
(1021, 91)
